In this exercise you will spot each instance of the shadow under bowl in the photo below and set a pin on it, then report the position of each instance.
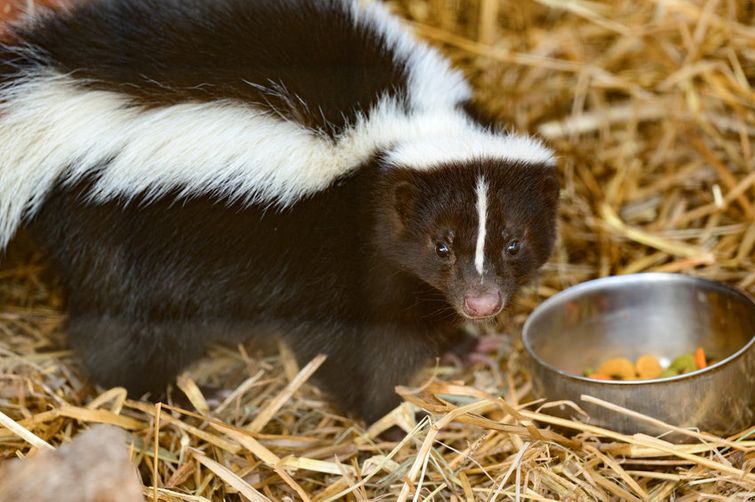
(666, 315)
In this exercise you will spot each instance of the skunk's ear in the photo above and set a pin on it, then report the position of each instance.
(404, 199)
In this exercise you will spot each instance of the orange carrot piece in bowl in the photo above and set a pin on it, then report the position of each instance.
(700, 358)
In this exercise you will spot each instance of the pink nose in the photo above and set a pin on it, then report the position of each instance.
(483, 305)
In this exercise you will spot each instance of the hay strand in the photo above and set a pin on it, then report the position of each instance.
(24, 433)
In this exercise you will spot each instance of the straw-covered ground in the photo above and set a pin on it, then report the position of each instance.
(651, 106)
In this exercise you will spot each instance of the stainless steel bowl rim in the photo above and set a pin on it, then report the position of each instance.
(645, 278)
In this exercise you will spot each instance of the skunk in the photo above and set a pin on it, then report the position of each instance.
(205, 170)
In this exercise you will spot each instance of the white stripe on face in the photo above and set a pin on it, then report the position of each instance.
(482, 213)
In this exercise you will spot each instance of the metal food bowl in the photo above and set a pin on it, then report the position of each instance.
(662, 314)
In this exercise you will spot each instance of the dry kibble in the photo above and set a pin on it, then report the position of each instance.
(648, 367)
(668, 373)
(618, 367)
(684, 363)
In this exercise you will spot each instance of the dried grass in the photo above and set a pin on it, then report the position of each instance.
(652, 109)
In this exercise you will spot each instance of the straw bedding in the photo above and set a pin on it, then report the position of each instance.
(651, 106)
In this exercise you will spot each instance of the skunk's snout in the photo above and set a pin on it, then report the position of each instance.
(479, 305)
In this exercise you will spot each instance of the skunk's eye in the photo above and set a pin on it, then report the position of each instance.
(513, 248)
(442, 250)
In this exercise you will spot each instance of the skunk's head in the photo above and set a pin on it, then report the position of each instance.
(474, 230)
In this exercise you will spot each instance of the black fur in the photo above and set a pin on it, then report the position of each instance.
(343, 273)
(302, 59)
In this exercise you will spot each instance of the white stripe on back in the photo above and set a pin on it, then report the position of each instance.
(482, 213)
(55, 130)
